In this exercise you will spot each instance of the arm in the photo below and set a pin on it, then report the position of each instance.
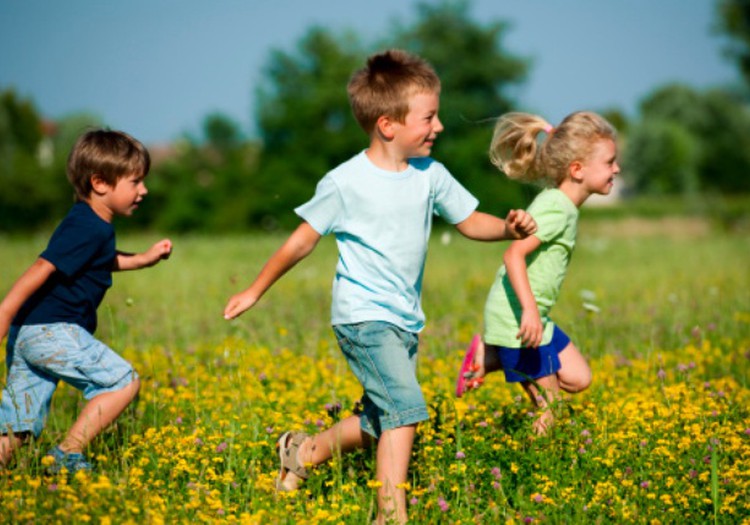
(485, 227)
(135, 261)
(298, 246)
(31, 280)
(531, 329)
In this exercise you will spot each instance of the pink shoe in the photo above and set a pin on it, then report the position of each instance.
(463, 383)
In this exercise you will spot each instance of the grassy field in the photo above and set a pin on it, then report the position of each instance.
(660, 307)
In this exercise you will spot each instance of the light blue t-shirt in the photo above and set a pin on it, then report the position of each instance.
(382, 221)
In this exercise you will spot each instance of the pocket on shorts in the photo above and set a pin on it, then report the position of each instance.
(94, 361)
(97, 367)
(40, 347)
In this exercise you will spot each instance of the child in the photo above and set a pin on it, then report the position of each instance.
(50, 312)
(576, 159)
(379, 205)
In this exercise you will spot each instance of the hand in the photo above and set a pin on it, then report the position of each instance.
(238, 304)
(531, 329)
(159, 251)
(519, 224)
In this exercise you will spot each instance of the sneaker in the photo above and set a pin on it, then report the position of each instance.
(72, 462)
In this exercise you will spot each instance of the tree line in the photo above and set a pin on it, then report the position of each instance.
(683, 141)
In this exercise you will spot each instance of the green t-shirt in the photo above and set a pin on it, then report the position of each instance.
(557, 218)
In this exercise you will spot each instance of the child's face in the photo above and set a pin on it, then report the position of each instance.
(600, 168)
(123, 198)
(416, 135)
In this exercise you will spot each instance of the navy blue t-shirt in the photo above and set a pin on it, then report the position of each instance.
(82, 249)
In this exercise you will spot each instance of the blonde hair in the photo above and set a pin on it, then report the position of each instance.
(517, 152)
(109, 154)
(384, 85)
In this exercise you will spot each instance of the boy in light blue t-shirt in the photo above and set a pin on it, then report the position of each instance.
(379, 205)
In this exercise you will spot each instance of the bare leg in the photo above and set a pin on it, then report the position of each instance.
(485, 362)
(98, 413)
(8, 444)
(574, 374)
(550, 392)
(344, 436)
(393, 454)
(489, 359)
(394, 451)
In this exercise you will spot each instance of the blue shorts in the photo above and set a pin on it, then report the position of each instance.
(522, 364)
(39, 356)
(384, 359)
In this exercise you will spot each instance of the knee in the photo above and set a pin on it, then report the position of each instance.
(576, 383)
(134, 388)
(583, 381)
(586, 381)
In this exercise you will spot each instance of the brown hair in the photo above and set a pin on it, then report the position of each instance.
(516, 151)
(108, 154)
(384, 85)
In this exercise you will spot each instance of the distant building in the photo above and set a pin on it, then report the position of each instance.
(161, 153)
(45, 152)
(614, 197)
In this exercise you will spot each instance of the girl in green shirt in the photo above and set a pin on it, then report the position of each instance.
(573, 161)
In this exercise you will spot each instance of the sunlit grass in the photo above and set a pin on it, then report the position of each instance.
(663, 435)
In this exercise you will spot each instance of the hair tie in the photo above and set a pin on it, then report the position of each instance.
(548, 129)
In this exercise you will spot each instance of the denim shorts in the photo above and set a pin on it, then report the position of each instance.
(384, 359)
(39, 356)
(522, 364)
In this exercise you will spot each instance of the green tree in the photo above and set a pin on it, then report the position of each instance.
(734, 21)
(207, 183)
(662, 158)
(29, 194)
(33, 158)
(304, 121)
(22, 126)
(702, 137)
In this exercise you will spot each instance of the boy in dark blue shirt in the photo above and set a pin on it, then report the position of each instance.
(49, 314)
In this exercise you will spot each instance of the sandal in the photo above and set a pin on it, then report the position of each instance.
(71, 461)
(464, 383)
(288, 446)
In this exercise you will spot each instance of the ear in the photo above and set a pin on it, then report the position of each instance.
(384, 127)
(99, 185)
(575, 170)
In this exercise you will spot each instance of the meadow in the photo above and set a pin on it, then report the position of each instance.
(661, 308)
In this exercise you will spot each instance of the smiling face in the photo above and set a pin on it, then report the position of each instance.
(416, 135)
(599, 169)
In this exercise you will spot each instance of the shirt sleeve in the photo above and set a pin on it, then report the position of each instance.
(453, 202)
(72, 246)
(550, 217)
(324, 209)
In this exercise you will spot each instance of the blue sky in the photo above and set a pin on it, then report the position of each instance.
(156, 68)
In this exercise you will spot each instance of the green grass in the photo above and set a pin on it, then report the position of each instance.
(662, 436)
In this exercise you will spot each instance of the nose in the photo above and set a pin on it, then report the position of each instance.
(438, 126)
(142, 189)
